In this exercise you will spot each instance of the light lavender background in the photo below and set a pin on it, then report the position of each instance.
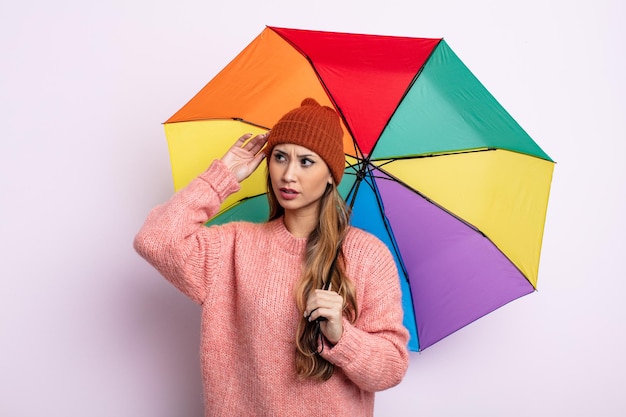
(89, 329)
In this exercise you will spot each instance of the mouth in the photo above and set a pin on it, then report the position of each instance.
(288, 193)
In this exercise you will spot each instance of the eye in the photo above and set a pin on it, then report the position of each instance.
(279, 157)
(306, 162)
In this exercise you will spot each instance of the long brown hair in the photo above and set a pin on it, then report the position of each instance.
(322, 247)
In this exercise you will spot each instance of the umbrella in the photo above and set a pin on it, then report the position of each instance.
(435, 167)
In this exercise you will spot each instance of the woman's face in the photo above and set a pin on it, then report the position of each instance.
(299, 178)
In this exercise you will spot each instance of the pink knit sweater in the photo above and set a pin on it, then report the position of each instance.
(243, 275)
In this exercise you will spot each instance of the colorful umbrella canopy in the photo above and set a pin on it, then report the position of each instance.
(435, 167)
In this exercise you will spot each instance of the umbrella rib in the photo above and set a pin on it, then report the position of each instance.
(225, 209)
(449, 153)
(239, 119)
(433, 155)
(406, 91)
(388, 228)
(325, 87)
(362, 176)
(390, 177)
(355, 186)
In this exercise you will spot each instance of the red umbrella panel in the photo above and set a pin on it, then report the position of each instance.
(435, 167)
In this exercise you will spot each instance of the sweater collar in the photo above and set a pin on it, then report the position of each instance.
(285, 239)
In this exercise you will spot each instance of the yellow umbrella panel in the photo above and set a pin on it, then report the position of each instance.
(501, 193)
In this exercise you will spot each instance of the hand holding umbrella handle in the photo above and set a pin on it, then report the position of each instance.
(244, 157)
(326, 310)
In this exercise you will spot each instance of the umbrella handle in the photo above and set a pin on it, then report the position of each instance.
(318, 333)
(332, 267)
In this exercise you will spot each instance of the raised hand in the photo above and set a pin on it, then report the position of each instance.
(245, 155)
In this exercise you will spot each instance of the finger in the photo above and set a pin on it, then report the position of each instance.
(318, 313)
(330, 311)
(240, 142)
(309, 315)
(331, 314)
(322, 298)
(256, 143)
(242, 139)
(258, 158)
(326, 295)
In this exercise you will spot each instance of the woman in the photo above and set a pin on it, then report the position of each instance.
(274, 342)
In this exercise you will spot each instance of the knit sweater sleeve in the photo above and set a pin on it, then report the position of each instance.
(372, 352)
(174, 238)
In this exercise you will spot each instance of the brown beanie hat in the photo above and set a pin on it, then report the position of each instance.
(315, 127)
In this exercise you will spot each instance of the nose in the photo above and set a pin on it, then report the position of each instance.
(289, 174)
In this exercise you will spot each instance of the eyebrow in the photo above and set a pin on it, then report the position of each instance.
(305, 155)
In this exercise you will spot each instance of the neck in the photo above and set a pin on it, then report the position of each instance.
(300, 225)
